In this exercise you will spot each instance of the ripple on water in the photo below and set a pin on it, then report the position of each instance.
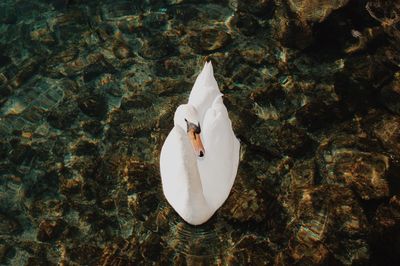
(207, 241)
(29, 107)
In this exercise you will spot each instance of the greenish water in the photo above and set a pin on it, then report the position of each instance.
(88, 90)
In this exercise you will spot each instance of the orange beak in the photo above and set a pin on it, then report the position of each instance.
(196, 142)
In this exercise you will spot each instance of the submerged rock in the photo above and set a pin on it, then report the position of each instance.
(122, 51)
(22, 153)
(84, 253)
(157, 47)
(120, 252)
(208, 40)
(94, 105)
(390, 95)
(50, 229)
(385, 232)
(93, 127)
(283, 139)
(315, 115)
(9, 225)
(315, 10)
(387, 130)
(358, 83)
(352, 162)
(321, 217)
(150, 248)
(245, 206)
(246, 23)
(3, 251)
(289, 31)
(94, 70)
(262, 8)
(63, 116)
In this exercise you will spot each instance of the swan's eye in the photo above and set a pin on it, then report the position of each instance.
(197, 129)
(194, 127)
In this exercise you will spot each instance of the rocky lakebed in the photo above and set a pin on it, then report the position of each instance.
(88, 90)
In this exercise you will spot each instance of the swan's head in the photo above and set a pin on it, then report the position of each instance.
(186, 117)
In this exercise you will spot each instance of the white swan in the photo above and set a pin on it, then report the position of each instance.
(197, 179)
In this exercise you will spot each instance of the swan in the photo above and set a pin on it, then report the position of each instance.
(200, 156)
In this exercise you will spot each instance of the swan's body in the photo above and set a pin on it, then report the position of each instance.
(197, 186)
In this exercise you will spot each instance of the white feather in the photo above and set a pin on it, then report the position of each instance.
(196, 187)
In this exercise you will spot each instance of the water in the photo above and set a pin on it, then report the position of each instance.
(88, 90)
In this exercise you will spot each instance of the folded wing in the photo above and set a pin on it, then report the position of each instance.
(204, 91)
(219, 166)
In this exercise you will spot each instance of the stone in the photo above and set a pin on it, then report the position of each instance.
(315, 10)
(387, 130)
(245, 206)
(4, 150)
(284, 139)
(9, 225)
(93, 127)
(390, 95)
(155, 20)
(22, 153)
(84, 253)
(120, 252)
(5, 92)
(64, 116)
(85, 147)
(137, 174)
(122, 51)
(255, 54)
(26, 71)
(322, 215)
(246, 23)
(352, 162)
(52, 208)
(261, 8)
(150, 248)
(209, 40)
(93, 105)
(272, 102)
(136, 101)
(385, 232)
(303, 174)
(4, 60)
(357, 84)
(317, 114)
(157, 47)
(289, 30)
(50, 230)
(70, 186)
(94, 70)
(256, 255)
(3, 251)
(386, 13)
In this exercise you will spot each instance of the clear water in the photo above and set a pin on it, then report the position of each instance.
(88, 90)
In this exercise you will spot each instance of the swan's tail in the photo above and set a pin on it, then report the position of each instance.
(204, 91)
(208, 69)
(206, 77)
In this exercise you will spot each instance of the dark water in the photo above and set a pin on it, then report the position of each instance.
(88, 90)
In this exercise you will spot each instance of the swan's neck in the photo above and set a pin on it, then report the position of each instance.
(197, 206)
(195, 188)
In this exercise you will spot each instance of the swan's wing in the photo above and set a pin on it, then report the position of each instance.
(219, 166)
(204, 91)
(181, 179)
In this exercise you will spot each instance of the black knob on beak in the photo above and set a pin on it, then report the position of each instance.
(201, 154)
